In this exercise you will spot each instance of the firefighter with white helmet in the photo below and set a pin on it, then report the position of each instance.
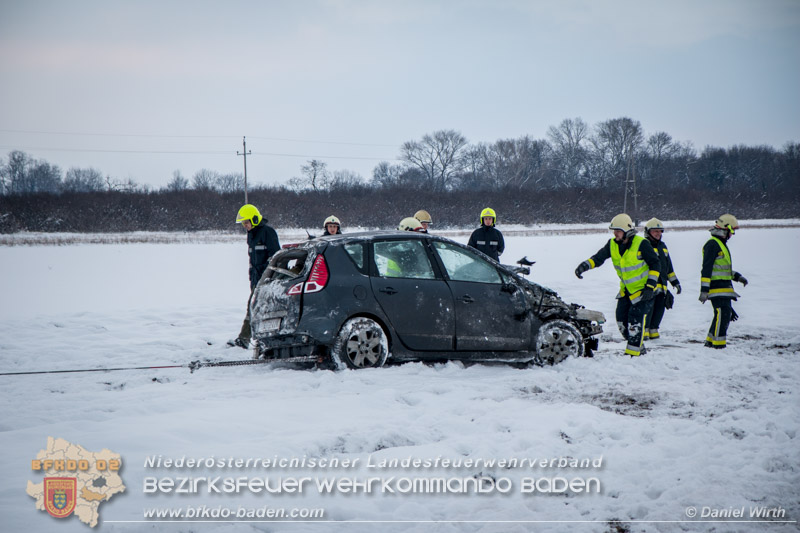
(262, 242)
(487, 238)
(331, 226)
(638, 268)
(410, 224)
(653, 230)
(717, 277)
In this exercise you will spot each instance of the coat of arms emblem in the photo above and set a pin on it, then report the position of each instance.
(60, 495)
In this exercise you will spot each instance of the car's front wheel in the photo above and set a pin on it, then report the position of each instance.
(361, 343)
(557, 340)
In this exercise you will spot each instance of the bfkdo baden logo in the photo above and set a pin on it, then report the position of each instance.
(59, 495)
(76, 480)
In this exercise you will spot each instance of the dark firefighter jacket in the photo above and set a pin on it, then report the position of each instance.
(648, 255)
(488, 240)
(667, 272)
(262, 242)
(717, 274)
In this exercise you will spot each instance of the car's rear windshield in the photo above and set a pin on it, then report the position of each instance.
(289, 265)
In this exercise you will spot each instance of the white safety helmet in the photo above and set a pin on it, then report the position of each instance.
(728, 222)
(410, 224)
(652, 224)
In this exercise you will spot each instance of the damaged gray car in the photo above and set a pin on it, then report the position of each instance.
(364, 299)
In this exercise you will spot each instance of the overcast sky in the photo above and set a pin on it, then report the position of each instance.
(139, 89)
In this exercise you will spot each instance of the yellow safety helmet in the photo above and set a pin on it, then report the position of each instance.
(653, 223)
(727, 221)
(331, 220)
(249, 212)
(423, 216)
(488, 212)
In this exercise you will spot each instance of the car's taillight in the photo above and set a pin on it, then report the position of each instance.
(316, 280)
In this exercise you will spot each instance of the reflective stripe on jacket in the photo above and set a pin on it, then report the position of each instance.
(634, 273)
(716, 278)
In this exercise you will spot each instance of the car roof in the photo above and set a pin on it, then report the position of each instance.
(375, 234)
(362, 236)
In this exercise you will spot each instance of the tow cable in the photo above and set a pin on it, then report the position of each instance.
(194, 365)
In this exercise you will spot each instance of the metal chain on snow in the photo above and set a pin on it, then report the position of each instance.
(194, 365)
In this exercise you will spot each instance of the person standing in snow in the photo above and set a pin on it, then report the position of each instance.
(331, 226)
(262, 242)
(653, 230)
(716, 280)
(488, 238)
(638, 268)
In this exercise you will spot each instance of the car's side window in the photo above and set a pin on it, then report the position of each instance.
(403, 259)
(462, 265)
(356, 253)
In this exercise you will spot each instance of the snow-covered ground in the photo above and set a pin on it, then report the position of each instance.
(681, 428)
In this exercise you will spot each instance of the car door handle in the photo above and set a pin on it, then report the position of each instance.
(388, 290)
(467, 299)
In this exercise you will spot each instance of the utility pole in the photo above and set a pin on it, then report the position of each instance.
(244, 153)
(630, 182)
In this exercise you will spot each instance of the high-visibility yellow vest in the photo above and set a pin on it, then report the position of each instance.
(722, 271)
(632, 270)
(723, 266)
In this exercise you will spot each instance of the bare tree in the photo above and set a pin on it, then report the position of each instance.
(83, 180)
(16, 170)
(178, 182)
(204, 179)
(346, 179)
(570, 151)
(438, 156)
(385, 174)
(316, 174)
(233, 182)
(616, 142)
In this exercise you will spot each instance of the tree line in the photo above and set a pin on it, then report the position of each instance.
(577, 173)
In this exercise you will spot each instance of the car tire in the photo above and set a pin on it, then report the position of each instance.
(361, 343)
(557, 340)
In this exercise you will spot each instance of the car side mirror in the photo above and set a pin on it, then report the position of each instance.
(510, 288)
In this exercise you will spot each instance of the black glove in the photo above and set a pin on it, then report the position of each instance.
(677, 287)
(734, 316)
(741, 279)
(703, 297)
(647, 294)
(583, 267)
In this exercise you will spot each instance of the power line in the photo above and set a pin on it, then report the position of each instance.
(156, 136)
(192, 152)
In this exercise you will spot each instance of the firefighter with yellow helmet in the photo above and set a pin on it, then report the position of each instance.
(717, 277)
(488, 238)
(638, 268)
(653, 231)
(424, 218)
(262, 242)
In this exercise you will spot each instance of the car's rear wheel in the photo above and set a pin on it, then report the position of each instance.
(361, 343)
(557, 340)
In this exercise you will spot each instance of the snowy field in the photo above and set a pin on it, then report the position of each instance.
(681, 428)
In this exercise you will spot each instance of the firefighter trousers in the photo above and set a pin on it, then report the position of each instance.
(631, 320)
(717, 333)
(659, 305)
